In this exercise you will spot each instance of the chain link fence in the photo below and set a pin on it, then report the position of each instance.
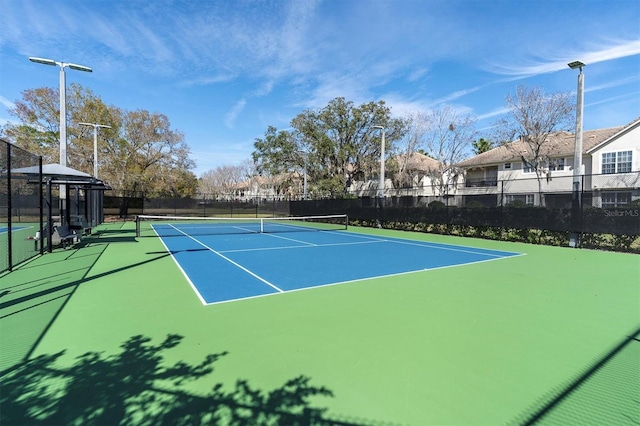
(602, 205)
(22, 221)
(202, 205)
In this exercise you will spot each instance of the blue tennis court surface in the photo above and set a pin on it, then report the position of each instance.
(4, 229)
(223, 268)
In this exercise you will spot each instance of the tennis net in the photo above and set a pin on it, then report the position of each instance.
(168, 226)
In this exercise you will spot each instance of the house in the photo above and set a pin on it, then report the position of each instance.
(280, 187)
(610, 172)
(414, 174)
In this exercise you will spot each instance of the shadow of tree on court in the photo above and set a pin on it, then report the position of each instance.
(136, 387)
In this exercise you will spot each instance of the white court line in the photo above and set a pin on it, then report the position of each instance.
(367, 240)
(20, 228)
(289, 239)
(195, 289)
(415, 271)
(442, 246)
(302, 247)
(230, 261)
(370, 240)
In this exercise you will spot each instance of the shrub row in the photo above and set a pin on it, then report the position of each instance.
(620, 243)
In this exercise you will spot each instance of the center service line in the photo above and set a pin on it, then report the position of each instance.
(230, 261)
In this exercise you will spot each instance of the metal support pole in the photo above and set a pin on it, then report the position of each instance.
(9, 211)
(41, 205)
(382, 179)
(63, 117)
(49, 217)
(63, 142)
(577, 157)
(574, 238)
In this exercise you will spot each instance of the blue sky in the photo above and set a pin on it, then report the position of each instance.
(223, 71)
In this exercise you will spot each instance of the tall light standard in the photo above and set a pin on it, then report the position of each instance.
(95, 217)
(63, 116)
(574, 239)
(305, 156)
(95, 145)
(63, 100)
(382, 144)
(577, 157)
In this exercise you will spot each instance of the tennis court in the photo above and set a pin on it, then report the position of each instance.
(420, 329)
(5, 229)
(226, 259)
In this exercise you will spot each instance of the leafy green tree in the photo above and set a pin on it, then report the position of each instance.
(39, 126)
(146, 155)
(335, 144)
(482, 145)
(138, 153)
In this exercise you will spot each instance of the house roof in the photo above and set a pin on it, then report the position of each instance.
(625, 129)
(561, 144)
(419, 162)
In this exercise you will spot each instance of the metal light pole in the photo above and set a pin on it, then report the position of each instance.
(382, 180)
(305, 158)
(574, 238)
(304, 186)
(63, 100)
(95, 145)
(577, 156)
(95, 217)
(63, 116)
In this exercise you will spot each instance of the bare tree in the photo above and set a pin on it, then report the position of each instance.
(400, 164)
(446, 136)
(223, 181)
(534, 118)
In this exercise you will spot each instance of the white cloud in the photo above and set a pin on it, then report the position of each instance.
(611, 84)
(418, 74)
(6, 102)
(456, 95)
(493, 113)
(231, 117)
(617, 50)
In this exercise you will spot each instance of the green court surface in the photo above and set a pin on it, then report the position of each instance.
(110, 332)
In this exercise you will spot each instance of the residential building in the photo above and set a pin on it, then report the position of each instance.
(610, 172)
(413, 174)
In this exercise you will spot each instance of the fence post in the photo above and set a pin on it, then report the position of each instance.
(502, 209)
(49, 216)
(9, 209)
(576, 213)
(41, 205)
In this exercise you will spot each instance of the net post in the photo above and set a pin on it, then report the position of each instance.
(262, 225)
(137, 226)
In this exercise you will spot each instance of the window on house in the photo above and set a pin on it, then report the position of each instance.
(527, 168)
(616, 162)
(526, 199)
(557, 164)
(615, 199)
(624, 162)
(507, 166)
